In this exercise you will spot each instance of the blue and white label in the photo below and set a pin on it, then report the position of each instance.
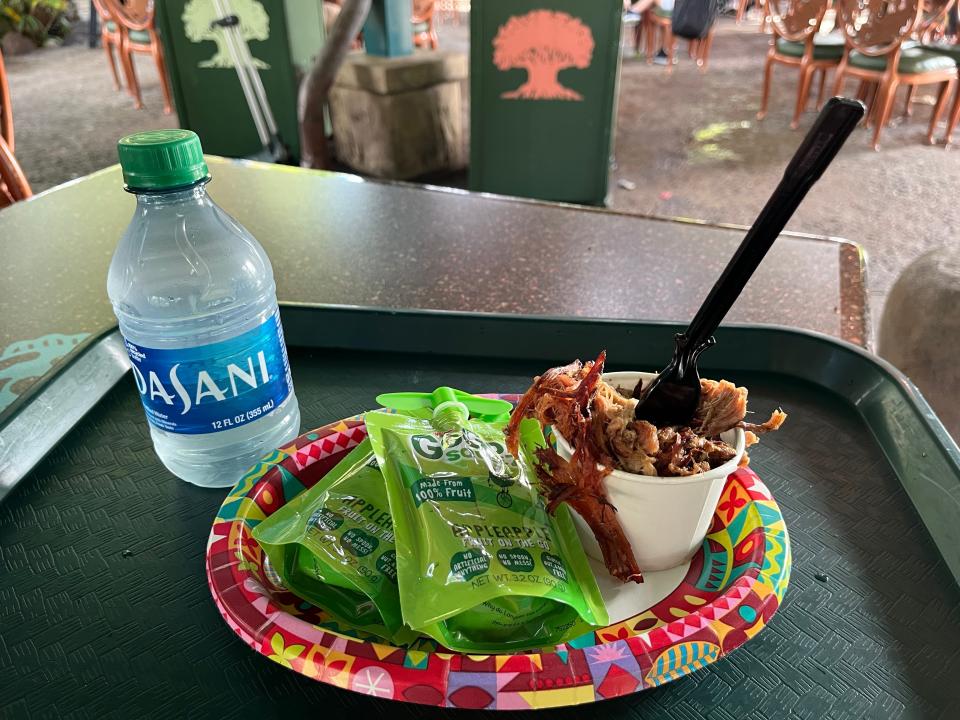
(214, 387)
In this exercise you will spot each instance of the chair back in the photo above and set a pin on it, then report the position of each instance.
(796, 20)
(102, 10)
(933, 17)
(423, 11)
(6, 109)
(130, 14)
(138, 10)
(13, 183)
(878, 27)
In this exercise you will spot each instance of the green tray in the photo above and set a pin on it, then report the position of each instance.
(106, 612)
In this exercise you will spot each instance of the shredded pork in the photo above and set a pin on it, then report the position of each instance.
(598, 421)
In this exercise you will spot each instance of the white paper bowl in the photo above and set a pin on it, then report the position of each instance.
(665, 518)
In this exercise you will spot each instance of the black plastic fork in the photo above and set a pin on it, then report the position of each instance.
(672, 397)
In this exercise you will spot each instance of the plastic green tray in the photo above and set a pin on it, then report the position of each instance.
(105, 610)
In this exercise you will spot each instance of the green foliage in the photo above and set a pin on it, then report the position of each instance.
(36, 19)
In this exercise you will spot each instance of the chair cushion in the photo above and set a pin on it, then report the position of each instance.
(913, 60)
(660, 12)
(825, 47)
(951, 51)
(140, 37)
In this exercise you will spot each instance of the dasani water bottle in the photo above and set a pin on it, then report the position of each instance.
(196, 301)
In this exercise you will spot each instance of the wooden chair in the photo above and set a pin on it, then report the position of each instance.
(933, 29)
(796, 42)
(138, 34)
(659, 23)
(954, 119)
(110, 37)
(933, 20)
(13, 183)
(424, 32)
(876, 51)
(637, 22)
(6, 109)
(930, 28)
(742, 7)
(762, 5)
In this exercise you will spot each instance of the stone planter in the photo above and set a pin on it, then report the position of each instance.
(14, 43)
(400, 117)
(920, 330)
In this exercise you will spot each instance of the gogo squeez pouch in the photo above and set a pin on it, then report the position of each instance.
(481, 566)
(333, 545)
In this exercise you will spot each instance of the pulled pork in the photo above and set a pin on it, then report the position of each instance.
(598, 421)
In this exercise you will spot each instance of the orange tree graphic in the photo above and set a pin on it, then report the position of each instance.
(543, 42)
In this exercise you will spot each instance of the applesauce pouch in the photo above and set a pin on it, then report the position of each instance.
(333, 545)
(481, 566)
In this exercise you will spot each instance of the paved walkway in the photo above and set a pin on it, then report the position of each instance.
(689, 142)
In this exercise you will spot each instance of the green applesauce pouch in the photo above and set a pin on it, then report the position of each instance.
(333, 545)
(481, 566)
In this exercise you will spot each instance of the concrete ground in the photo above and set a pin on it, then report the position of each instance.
(689, 141)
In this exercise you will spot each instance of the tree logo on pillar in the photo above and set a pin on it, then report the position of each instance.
(254, 25)
(543, 42)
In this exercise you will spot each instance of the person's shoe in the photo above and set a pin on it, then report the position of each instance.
(660, 58)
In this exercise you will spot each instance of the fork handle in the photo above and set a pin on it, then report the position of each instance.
(830, 130)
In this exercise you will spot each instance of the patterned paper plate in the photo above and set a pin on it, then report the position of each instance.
(734, 584)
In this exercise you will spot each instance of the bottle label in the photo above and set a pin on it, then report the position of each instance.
(214, 387)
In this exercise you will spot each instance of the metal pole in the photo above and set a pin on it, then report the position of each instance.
(253, 74)
(248, 92)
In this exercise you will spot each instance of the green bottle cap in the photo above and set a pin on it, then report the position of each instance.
(161, 159)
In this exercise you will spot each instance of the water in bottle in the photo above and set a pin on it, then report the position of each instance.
(196, 300)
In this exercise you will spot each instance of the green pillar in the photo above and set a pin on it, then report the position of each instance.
(284, 38)
(543, 79)
(387, 31)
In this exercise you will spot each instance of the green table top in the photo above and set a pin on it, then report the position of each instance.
(334, 238)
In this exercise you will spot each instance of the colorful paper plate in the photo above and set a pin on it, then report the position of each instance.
(732, 588)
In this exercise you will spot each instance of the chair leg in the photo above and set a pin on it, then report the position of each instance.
(651, 36)
(885, 98)
(12, 180)
(838, 78)
(820, 87)
(133, 85)
(157, 53)
(954, 118)
(670, 45)
(946, 88)
(803, 93)
(703, 51)
(870, 93)
(637, 37)
(908, 105)
(767, 77)
(108, 49)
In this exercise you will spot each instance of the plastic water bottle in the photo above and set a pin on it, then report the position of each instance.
(196, 301)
